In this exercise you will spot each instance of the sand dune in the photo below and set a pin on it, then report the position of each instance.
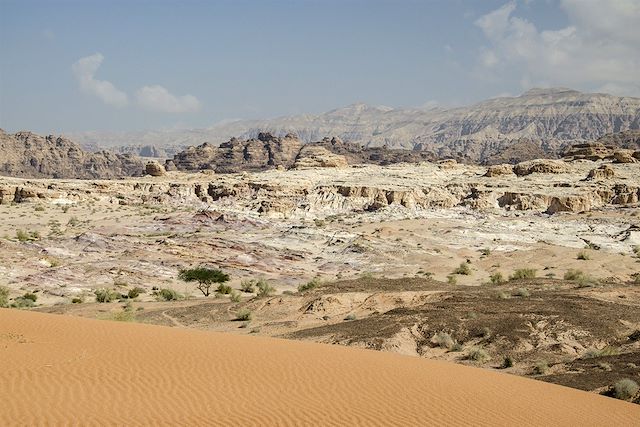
(66, 370)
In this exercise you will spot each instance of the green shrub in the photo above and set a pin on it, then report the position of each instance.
(4, 296)
(463, 269)
(523, 273)
(77, 300)
(308, 286)
(583, 256)
(205, 277)
(625, 389)
(22, 302)
(135, 292)
(248, 286)
(244, 315)
(351, 317)
(265, 289)
(496, 278)
(451, 279)
(105, 295)
(485, 251)
(30, 296)
(166, 294)
(39, 208)
(507, 362)
(591, 353)
(235, 296)
(503, 295)
(22, 236)
(444, 340)
(224, 289)
(521, 292)
(574, 275)
(478, 355)
(541, 368)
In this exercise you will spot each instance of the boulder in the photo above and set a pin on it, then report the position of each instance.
(498, 170)
(154, 168)
(540, 166)
(319, 157)
(603, 172)
(623, 156)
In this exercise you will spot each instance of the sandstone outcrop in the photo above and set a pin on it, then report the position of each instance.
(540, 166)
(322, 192)
(28, 155)
(319, 157)
(623, 156)
(498, 170)
(602, 172)
(154, 168)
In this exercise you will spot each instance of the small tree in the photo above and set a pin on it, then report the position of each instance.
(205, 277)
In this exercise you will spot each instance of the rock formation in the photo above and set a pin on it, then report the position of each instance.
(28, 155)
(154, 168)
(270, 152)
(540, 120)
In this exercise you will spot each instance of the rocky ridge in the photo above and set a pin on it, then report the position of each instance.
(540, 120)
(539, 186)
(28, 155)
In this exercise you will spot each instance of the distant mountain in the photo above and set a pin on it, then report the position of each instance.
(27, 155)
(542, 120)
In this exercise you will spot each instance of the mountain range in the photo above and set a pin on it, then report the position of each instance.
(543, 121)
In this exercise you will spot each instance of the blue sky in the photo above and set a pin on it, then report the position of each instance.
(126, 65)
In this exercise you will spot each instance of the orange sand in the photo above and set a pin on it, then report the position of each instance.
(63, 370)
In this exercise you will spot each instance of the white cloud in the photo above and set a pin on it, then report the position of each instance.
(157, 98)
(85, 69)
(600, 48)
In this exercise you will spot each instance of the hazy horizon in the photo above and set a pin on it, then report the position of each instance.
(69, 66)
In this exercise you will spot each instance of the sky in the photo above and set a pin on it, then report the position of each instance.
(121, 65)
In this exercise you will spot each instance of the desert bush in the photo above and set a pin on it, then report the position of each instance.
(4, 296)
(503, 295)
(485, 251)
(205, 277)
(606, 366)
(444, 340)
(625, 389)
(105, 295)
(451, 279)
(574, 275)
(224, 289)
(248, 286)
(351, 317)
(22, 302)
(507, 362)
(478, 355)
(31, 296)
(583, 256)
(591, 353)
(39, 208)
(521, 292)
(308, 286)
(166, 294)
(523, 273)
(77, 300)
(123, 316)
(463, 269)
(636, 250)
(244, 315)
(73, 222)
(496, 279)
(235, 296)
(635, 278)
(541, 368)
(22, 236)
(264, 289)
(135, 292)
